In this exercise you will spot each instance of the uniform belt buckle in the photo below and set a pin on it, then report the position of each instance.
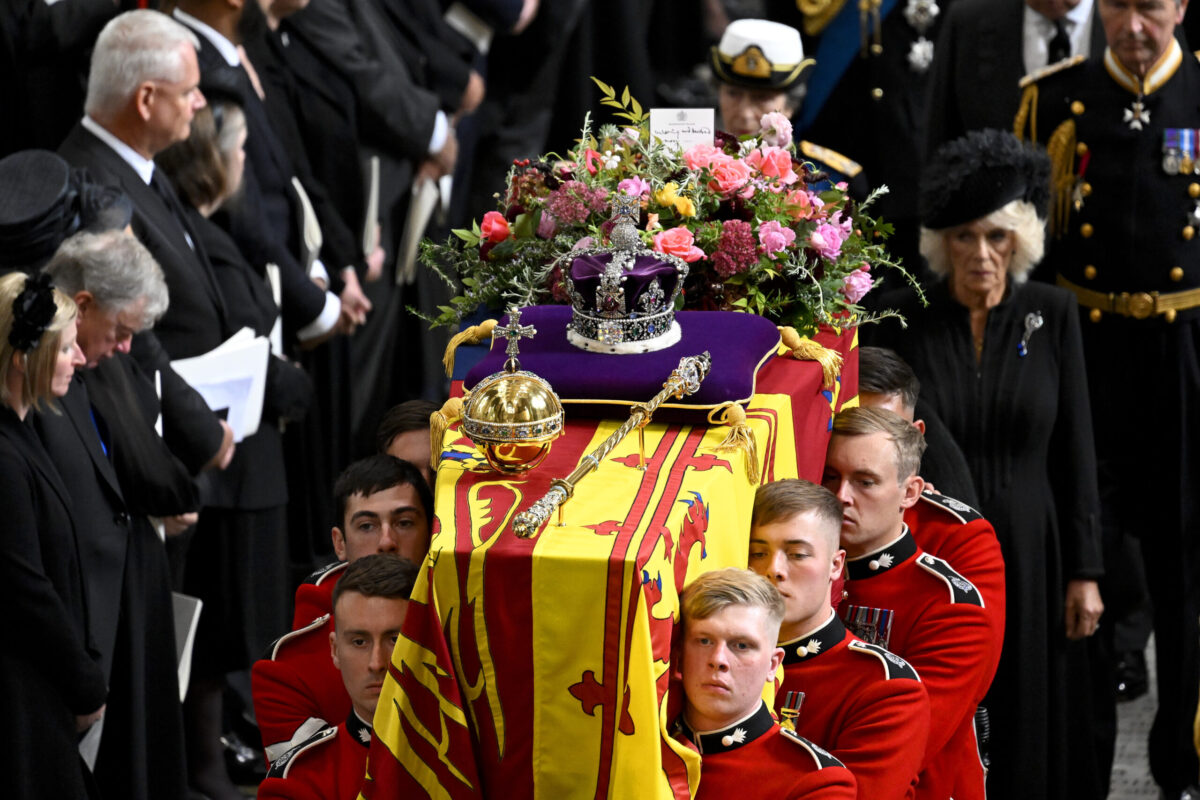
(1138, 305)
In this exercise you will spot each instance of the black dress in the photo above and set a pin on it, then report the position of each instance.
(128, 585)
(48, 673)
(1024, 425)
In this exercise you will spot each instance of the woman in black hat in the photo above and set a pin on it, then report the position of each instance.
(1001, 361)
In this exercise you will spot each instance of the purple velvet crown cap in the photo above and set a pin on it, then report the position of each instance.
(587, 270)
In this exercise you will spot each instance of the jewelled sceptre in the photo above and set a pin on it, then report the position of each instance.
(684, 380)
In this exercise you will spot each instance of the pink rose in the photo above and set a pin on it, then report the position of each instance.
(699, 156)
(857, 284)
(585, 243)
(803, 204)
(494, 227)
(634, 187)
(776, 129)
(678, 242)
(774, 237)
(828, 237)
(773, 162)
(728, 174)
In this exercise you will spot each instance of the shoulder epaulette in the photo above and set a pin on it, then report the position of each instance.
(281, 765)
(276, 645)
(961, 589)
(847, 166)
(820, 756)
(893, 665)
(955, 508)
(1051, 69)
(318, 577)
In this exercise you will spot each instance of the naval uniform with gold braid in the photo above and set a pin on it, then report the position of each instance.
(866, 705)
(1124, 221)
(756, 758)
(918, 607)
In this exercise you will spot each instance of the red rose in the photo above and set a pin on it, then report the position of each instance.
(494, 227)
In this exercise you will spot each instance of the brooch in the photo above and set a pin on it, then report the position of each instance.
(1033, 321)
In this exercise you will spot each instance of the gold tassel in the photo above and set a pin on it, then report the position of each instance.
(1061, 149)
(1027, 112)
(472, 335)
(740, 436)
(805, 349)
(439, 422)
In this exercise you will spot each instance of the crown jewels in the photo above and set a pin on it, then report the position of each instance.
(513, 415)
(623, 296)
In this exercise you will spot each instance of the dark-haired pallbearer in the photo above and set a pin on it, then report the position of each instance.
(384, 506)
(866, 705)
(730, 620)
(369, 603)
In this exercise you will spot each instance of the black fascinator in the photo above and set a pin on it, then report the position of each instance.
(33, 311)
(971, 177)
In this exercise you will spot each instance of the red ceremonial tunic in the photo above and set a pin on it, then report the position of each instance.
(959, 535)
(297, 690)
(328, 766)
(865, 705)
(756, 758)
(918, 607)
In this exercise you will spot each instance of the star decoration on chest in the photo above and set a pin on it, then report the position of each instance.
(1137, 115)
(883, 562)
(737, 737)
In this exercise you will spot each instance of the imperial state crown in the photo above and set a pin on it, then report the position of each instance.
(623, 296)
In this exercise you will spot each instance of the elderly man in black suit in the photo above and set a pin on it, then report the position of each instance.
(129, 119)
(119, 290)
(984, 49)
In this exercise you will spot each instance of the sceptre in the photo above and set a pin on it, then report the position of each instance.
(684, 380)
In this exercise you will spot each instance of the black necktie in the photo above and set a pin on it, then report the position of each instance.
(1060, 43)
(163, 189)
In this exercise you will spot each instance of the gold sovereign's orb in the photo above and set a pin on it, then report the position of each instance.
(513, 417)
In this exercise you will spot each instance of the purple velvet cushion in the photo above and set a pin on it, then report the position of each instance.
(739, 345)
(587, 270)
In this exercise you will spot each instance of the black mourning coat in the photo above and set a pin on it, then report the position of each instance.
(1024, 425)
(128, 585)
(49, 672)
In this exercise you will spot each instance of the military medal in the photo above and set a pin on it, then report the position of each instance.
(920, 14)
(1137, 115)
(1172, 160)
(1187, 146)
(872, 625)
(789, 712)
